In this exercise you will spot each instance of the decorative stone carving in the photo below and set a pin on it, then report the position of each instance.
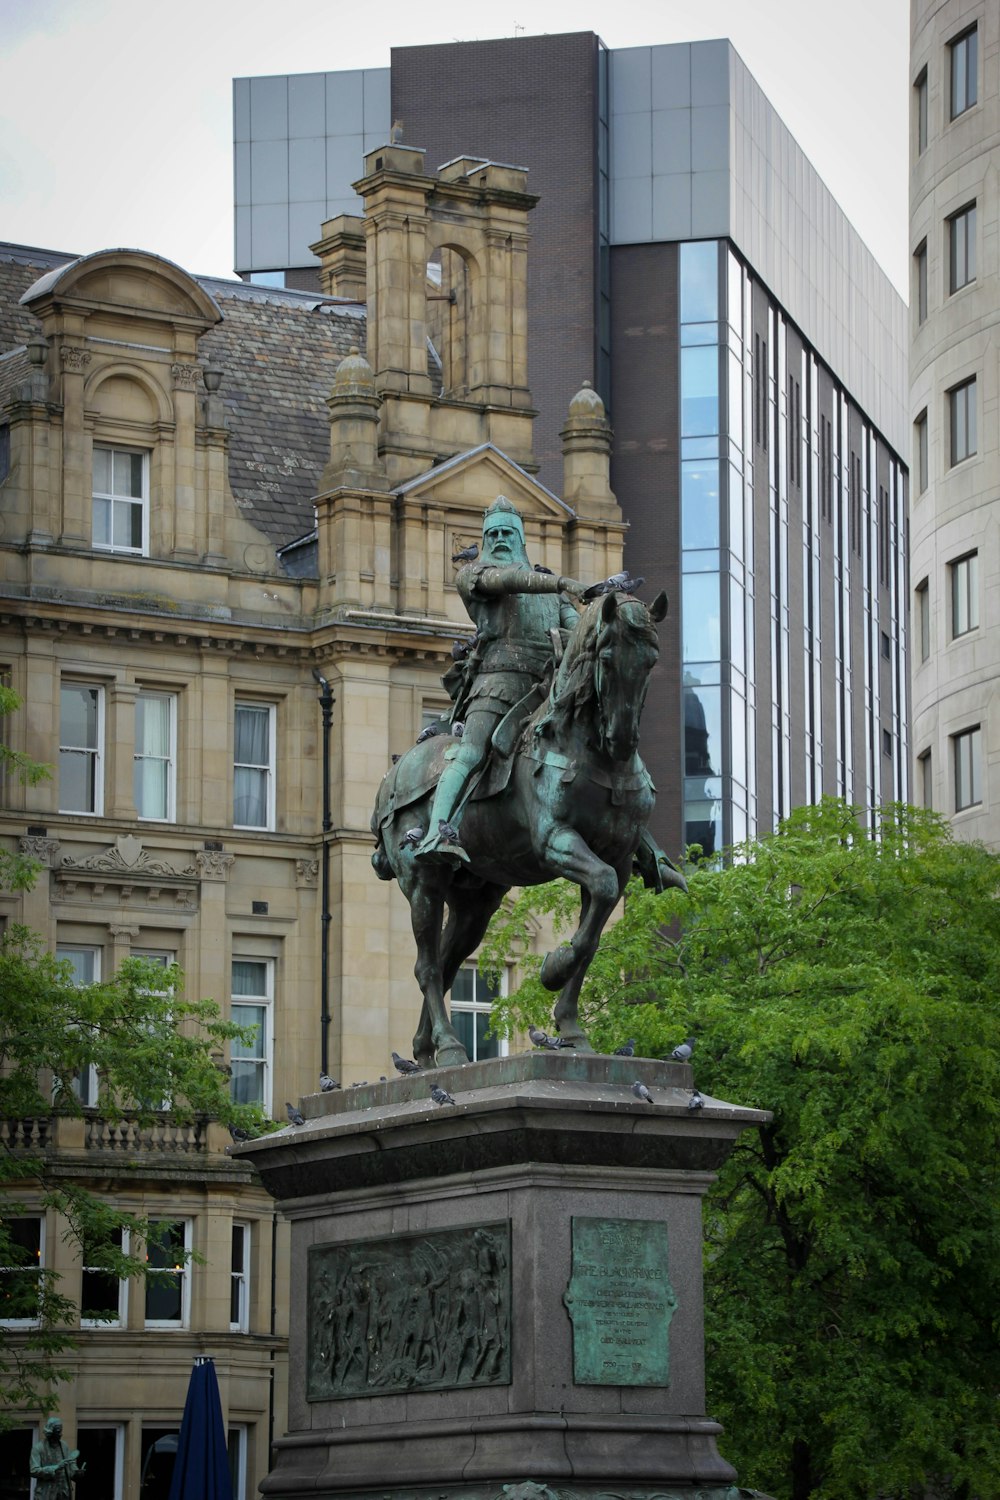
(45, 850)
(74, 358)
(186, 377)
(213, 864)
(127, 856)
(418, 1311)
(306, 871)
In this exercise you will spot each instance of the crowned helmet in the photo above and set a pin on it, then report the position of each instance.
(502, 513)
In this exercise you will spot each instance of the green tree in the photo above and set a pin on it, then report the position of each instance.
(17, 872)
(152, 1050)
(850, 986)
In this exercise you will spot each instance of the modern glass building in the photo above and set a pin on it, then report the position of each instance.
(687, 258)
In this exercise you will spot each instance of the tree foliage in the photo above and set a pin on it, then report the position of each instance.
(17, 871)
(850, 986)
(152, 1051)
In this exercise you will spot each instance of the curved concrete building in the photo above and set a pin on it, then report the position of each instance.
(954, 373)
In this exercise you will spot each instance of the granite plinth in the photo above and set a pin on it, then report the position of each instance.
(538, 1149)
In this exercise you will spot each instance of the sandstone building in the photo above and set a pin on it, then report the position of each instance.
(209, 495)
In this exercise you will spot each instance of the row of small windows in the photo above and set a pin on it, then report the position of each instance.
(966, 750)
(154, 779)
(963, 590)
(960, 255)
(963, 438)
(104, 1297)
(963, 83)
(252, 1005)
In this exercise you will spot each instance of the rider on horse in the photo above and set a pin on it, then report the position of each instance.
(515, 649)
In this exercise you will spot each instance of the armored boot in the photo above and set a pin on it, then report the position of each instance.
(658, 872)
(441, 842)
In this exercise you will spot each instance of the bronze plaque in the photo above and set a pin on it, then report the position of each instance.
(620, 1302)
(423, 1312)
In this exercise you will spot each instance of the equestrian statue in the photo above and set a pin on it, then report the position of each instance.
(533, 775)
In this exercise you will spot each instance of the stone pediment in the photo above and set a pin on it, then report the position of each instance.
(132, 283)
(472, 480)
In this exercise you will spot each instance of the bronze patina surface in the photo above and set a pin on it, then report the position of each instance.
(621, 1302)
(418, 1311)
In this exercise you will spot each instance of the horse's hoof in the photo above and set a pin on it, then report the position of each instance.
(450, 1055)
(558, 966)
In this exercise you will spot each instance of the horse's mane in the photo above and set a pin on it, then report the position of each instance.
(573, 691)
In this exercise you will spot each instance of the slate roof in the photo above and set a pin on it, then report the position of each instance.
(278, 351)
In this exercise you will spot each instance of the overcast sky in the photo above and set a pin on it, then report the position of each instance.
(116, 115)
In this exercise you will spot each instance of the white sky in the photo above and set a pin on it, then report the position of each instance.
(116, 115)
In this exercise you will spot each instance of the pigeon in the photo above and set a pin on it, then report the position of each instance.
(683, 1052)
(696, 1101)
(404, 1065)
(460, 649)
(448, 833)
(539, 568)
(412, 836)
(295, 1115)
(542, 1039)
(642, 1092)
(467, 554)
(396, 133)
(618, 583)
(458, 729)
(628, 1050)
(440, 1096)
(428, 733)
(327, 1084)
(238, 1133)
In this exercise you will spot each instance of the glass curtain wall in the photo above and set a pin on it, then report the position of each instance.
(716, 541)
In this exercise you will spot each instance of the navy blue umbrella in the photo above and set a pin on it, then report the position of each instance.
(201, 1469)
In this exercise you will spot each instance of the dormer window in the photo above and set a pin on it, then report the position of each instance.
(121, 500)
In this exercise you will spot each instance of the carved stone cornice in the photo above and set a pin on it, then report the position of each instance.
(74, 359)
(213, 864)
(126, 868)
(45, 850)
(186, 377)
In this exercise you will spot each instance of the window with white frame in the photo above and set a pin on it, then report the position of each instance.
(81, 748)
(239, 1287)
(251, 1005)
(168, 1279)
(22, 1255)
(253, 766)
(162, 960)
(103, 1295)
(102, 1450)
(237, 1446)
(472, 996)
(964, 57)
(155, 758)
(964, 594)
(121, 500)
(966, 748)
(85, 963)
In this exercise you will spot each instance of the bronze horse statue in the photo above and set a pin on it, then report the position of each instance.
(573, 801)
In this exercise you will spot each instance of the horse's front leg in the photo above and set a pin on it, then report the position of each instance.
(436, 1042)
(568, 855)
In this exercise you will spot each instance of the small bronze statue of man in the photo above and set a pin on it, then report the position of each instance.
(53, 1465)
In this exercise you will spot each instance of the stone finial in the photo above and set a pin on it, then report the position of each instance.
(587, 404)
(354, 377)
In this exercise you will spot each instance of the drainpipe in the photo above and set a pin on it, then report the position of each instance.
(326, 702)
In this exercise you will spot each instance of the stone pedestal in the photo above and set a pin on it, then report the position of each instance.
(500, 1299)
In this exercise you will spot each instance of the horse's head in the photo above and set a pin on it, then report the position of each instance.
(626, 649)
